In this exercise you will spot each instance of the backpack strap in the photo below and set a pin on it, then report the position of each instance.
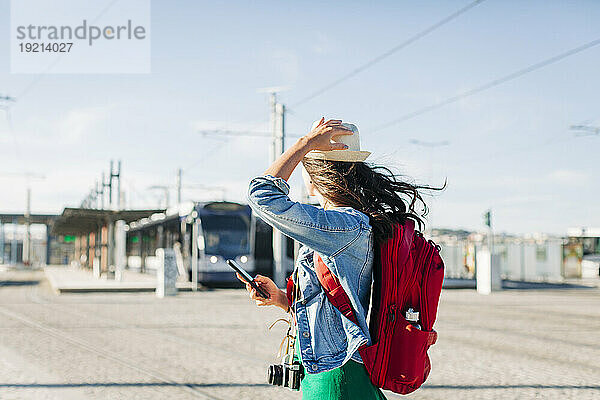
(333, 289)
(289, 290)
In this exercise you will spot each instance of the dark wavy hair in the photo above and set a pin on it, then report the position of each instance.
(374, 190)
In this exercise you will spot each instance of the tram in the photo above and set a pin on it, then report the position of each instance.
(220, 230)
(225, 231)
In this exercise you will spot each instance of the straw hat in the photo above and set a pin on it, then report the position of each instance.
(351, 154)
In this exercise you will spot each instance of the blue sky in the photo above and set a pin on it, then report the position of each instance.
(510, 147)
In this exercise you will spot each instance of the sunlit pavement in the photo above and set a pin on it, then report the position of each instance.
(517, 344)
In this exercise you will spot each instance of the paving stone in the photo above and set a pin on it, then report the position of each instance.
(514, 344)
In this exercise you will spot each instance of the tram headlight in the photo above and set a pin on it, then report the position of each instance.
(244, 259)
(213, 259)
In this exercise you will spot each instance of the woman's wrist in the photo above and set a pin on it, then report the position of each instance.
(303, 145)
(285, 164)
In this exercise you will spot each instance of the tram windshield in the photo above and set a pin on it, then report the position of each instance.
(226, 235)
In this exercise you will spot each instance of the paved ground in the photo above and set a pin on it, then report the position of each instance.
(512, 345)
(77, 280)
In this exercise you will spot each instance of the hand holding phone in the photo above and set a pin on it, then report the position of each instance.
(248, 278)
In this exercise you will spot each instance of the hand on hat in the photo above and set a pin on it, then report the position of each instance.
(320, 138)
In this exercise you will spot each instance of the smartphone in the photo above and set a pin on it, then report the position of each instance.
(248, 278)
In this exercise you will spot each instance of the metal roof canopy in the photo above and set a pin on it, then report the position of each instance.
(77, 221)
(45, 219)
(140, 226)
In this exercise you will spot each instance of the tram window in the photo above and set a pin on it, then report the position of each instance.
(225, 222)
(225, 233)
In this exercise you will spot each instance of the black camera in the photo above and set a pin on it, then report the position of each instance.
(287, 374)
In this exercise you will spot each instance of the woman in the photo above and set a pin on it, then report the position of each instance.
(360, 205)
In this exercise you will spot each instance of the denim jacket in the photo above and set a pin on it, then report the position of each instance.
(343, 238)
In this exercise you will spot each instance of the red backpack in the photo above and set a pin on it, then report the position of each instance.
(410, 276)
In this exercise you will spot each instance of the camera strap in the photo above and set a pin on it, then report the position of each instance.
(293, 323)
(286, 338)
(290, 337)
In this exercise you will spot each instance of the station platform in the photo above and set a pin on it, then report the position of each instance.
(65, 279)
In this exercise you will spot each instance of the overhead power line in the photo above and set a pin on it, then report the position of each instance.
(206, 155)
(388, 53)
(489, 85)
(38, 77)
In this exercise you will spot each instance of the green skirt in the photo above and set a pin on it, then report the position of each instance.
(350, 381)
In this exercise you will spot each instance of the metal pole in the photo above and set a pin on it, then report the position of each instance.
(279, 140)
(179, 175)
(279, 241)
(120, 251)
(1, 243)
(273, 106)
(184, 240)
(48, 244)
(97, 198)
(110, 202)
(103, 185)
(27, 239)
(160, 239)
(13, 244)
(110, 249)
(119, 204)
(141, 251)
(195, 254)
(491, 236)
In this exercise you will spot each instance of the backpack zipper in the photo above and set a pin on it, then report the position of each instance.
(392, 313)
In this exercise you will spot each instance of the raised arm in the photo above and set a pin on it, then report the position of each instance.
(327, 231)
(318, 139)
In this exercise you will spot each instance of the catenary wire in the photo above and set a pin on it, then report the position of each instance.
(489, 85)
(50, 66)
(389, 52)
